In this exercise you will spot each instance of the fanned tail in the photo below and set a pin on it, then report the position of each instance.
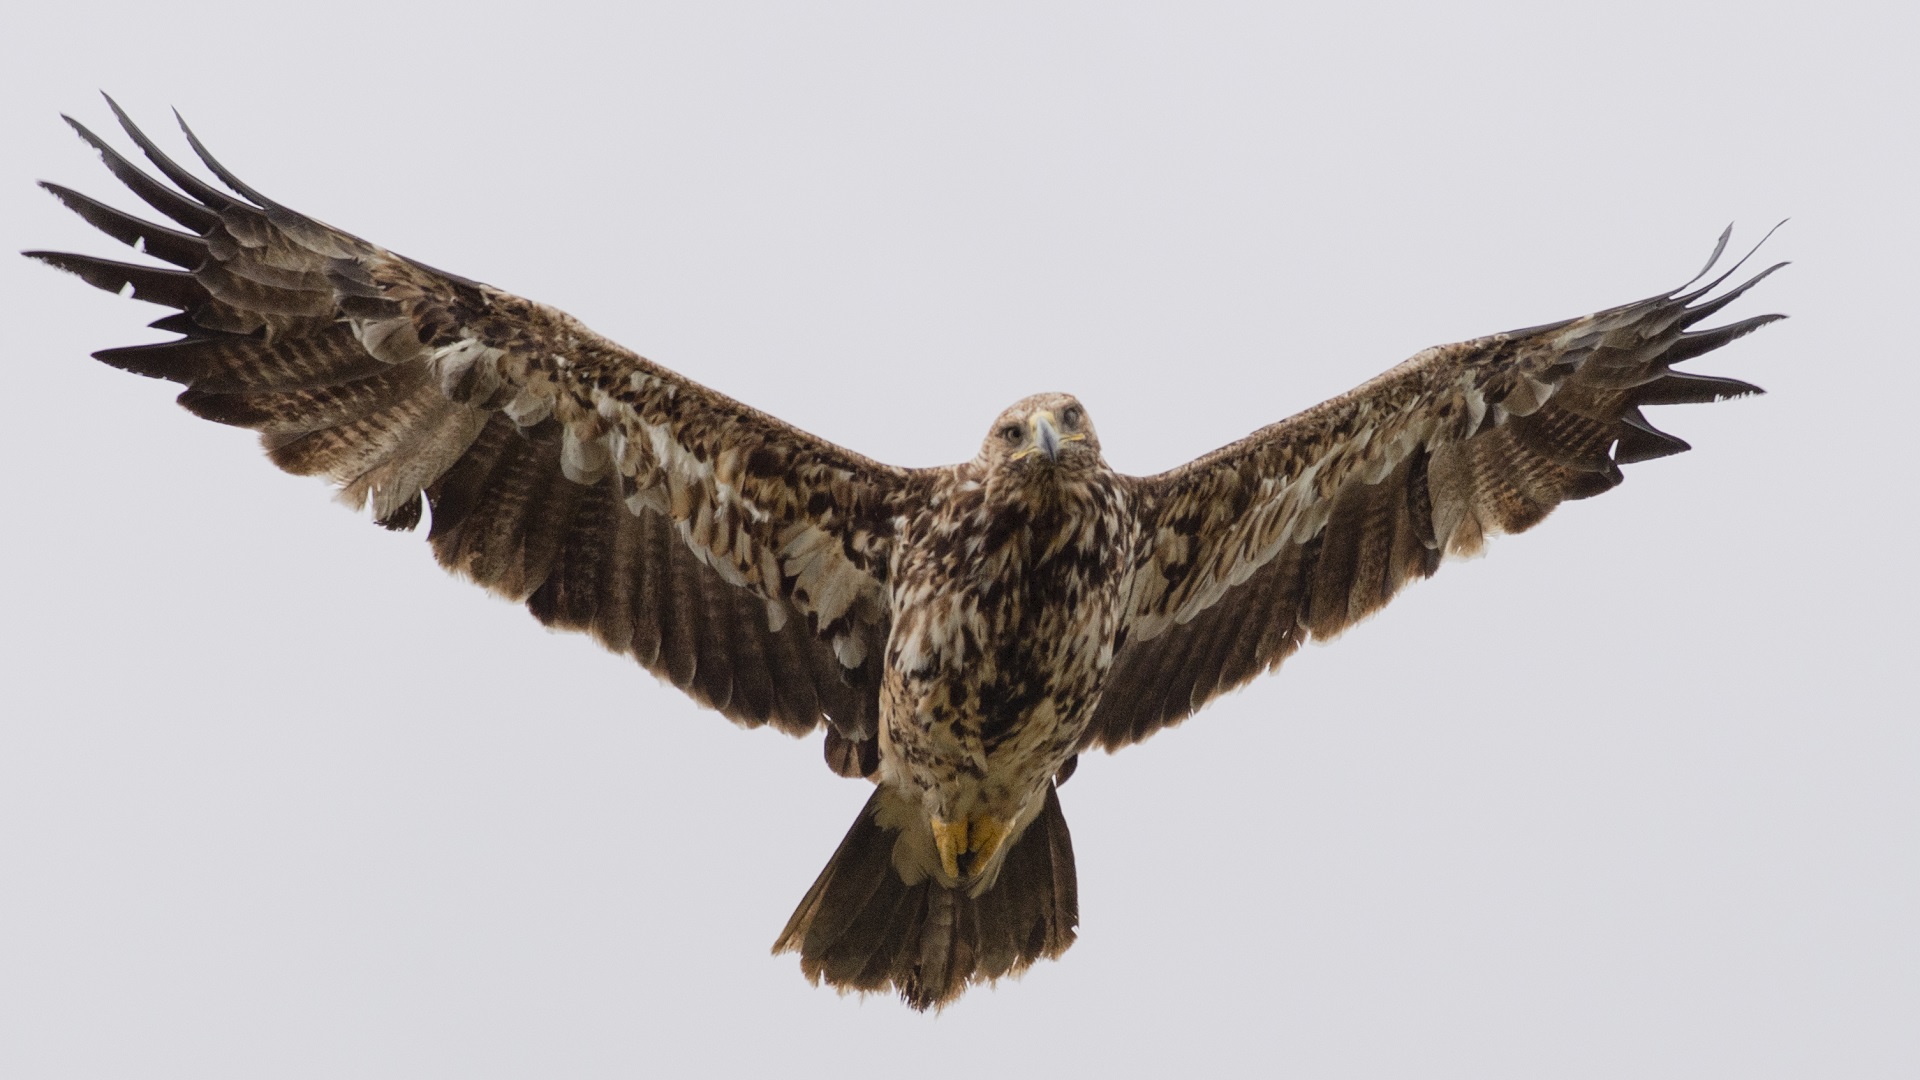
(864, 927)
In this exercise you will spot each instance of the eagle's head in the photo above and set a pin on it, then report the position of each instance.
(1043, 434)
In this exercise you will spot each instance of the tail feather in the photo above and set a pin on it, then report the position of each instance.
(864, 927)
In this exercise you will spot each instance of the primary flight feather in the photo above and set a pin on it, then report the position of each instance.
(962, 633)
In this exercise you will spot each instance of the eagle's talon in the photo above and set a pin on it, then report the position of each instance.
(986, 836)
(967, 845)
(951, 838)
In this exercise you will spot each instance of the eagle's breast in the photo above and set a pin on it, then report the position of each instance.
(1006, 603)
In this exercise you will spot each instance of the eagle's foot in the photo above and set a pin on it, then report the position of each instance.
(967, 845)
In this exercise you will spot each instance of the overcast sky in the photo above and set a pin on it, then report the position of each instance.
(1634, 795)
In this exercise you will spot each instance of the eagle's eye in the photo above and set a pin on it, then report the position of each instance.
(1070, 416)
(1012, 434)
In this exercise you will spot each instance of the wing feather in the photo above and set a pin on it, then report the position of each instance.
(732, 555)
(1312, 524)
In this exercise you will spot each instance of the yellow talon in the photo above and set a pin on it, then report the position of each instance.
(951, 839)
(973, 841)
(986, 836)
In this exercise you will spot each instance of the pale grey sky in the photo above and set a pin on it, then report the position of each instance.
(1634, 795)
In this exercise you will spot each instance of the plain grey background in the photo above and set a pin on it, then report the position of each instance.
(1634, 795)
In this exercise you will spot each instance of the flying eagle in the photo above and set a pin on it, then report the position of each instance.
(963, 632)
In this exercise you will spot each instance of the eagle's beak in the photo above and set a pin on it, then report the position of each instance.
(1045, 436)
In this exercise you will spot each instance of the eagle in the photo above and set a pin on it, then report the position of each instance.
(961, 633)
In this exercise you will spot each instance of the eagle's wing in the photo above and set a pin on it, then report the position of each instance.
(729, 553)
(1310, 525)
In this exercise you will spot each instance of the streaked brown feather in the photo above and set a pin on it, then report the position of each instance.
(230, 364)
(283, 412)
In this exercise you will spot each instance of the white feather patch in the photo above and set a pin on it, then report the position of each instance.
(583, 461)
(529, 408)
(391, 341)
(850, 650)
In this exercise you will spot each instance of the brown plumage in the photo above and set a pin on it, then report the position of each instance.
(962, 633)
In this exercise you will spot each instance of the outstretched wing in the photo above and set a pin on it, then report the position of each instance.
(729, 553)
(1306, 527)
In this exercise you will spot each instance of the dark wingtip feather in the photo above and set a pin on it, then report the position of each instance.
(188, 182)
(174, 288)
(163, 360)
(1731, 270)
(152, 192)
(1719, 249)
(225, 174)
(1685, 388)
(181, 322)
(1699, 312)
(181, 249)
(1700, 342)
(1641, 441)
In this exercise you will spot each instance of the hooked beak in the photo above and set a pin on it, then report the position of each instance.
(1046, 438)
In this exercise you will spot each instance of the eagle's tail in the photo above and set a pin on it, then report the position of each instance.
(863, 927)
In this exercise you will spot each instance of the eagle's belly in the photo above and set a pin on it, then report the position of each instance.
(994, 666)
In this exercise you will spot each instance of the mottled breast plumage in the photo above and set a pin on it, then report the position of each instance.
(1007, 593)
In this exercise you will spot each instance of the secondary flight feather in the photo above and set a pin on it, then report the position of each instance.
(962, 633)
